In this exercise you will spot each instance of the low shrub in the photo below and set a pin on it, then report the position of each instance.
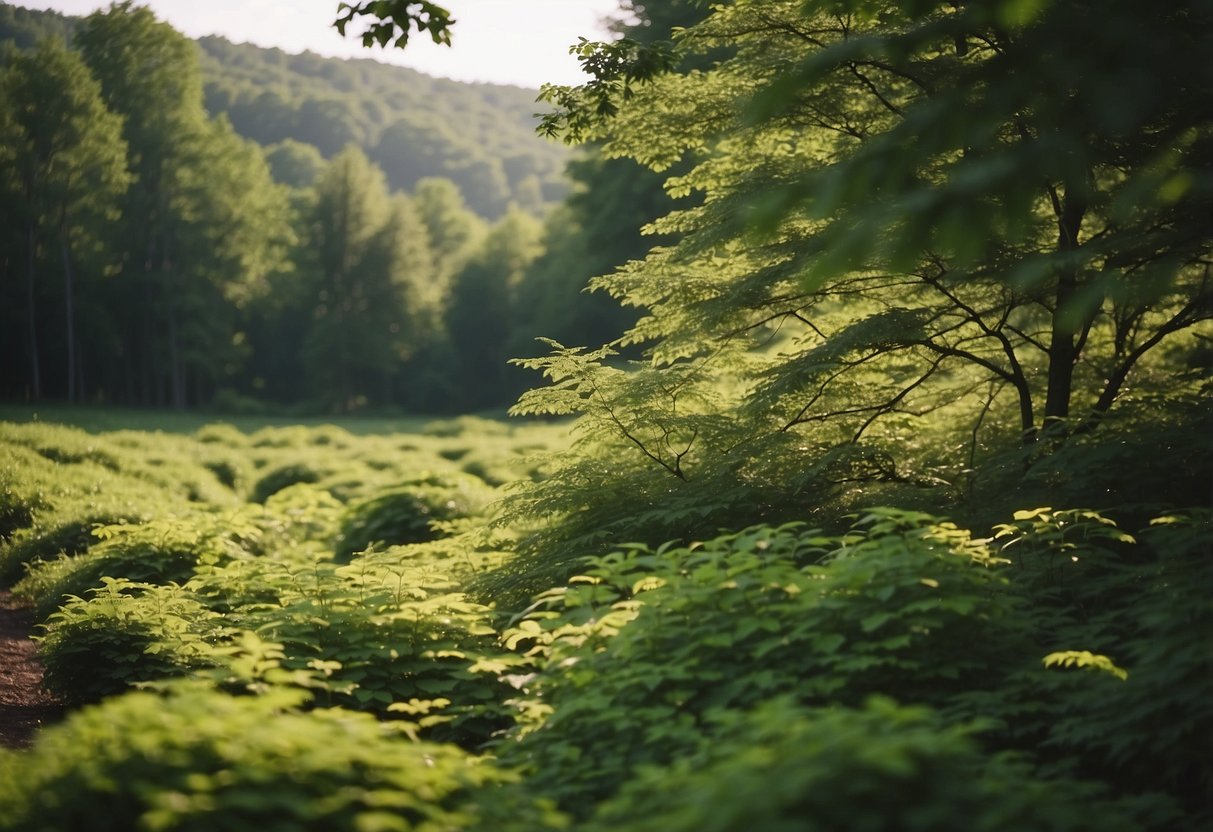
(409, 514)
(196, 760)
(282, 476)
(633, 656)
(159, 552)
(877, 767)
(125, 633)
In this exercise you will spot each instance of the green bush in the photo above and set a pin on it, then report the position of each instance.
(876, 768)
(408, 514)
(16, 509)
(67, 532)
(123, 634)
(393, 637)
(633, 657)
(195, 760)
(282, 476)
(159, 552)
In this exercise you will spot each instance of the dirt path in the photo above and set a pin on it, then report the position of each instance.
(24, 705)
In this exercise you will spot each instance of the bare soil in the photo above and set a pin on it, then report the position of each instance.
(24, 704)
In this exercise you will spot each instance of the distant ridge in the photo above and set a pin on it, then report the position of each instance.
(413, 125)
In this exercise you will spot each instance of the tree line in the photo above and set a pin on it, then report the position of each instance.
(151, 255)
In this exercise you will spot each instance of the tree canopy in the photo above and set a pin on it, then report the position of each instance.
(925, 228)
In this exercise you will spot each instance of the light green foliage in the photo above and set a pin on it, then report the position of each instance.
(251, 596)
(896, 607)
(123, 633)
(160, 551)
(389, 633)
(194, 759)
(411, 514)
(61, 483)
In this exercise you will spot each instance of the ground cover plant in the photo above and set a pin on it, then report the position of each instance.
(1042, 660)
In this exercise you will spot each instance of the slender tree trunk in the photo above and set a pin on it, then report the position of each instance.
(1062, 355)
(70, 308)
(1063, 348)
(35, 370)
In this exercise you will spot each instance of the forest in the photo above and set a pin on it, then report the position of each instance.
(858, 473)
(161, 239)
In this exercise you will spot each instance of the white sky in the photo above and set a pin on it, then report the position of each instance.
(523, 42)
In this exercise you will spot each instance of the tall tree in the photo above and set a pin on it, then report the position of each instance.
(67, 170)
(404, 297)
(237, 231)
(483, 305)
(453, 229)
(351, 208)
(916, 217)
(149, 75)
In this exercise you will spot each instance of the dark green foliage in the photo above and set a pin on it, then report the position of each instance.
(876, 767)
(1137, 604)
(194, 759)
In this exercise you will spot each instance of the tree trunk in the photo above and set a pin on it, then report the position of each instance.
(1063, 351)
(70, 308)
(35, 370)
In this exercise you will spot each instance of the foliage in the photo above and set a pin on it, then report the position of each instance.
(877, 766)
(1126, 605)
(413, 513)
(912, 275)
(676, 670)
(160, 551)
(123, 634)
(393, 21)
(893, 607)
(195, 759)
(64, 176)
(389, 634)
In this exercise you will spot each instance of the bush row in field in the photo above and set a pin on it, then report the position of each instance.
(902, 674)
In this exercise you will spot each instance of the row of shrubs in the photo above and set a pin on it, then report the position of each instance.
(313, 661)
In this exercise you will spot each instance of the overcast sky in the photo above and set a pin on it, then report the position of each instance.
(523, 42)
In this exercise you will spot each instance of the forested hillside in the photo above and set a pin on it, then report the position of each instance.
(481, 136)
